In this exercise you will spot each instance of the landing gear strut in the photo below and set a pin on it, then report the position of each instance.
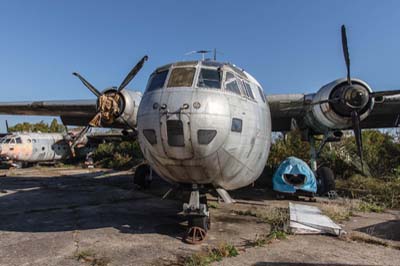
(198, 216)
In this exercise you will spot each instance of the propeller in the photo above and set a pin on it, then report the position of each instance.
(353, 95)
(356, 97)
(109, 103)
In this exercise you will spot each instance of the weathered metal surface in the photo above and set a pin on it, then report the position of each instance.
(232, 159)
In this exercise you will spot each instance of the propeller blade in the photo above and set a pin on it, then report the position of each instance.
(355, 117)
(384, 93)
(346, 53)
(78, 138)
(88, 85)
(132, 73)
(7, 128)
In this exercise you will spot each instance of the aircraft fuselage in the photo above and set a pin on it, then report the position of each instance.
(205, 123)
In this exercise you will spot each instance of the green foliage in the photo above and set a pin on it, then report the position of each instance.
(381, 154)
(376, 193)
(122, 155)
(38, 127)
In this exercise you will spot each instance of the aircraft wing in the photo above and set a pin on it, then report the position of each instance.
(286, 108)
(71, 112)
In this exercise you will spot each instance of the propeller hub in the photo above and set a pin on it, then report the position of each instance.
(355, 96)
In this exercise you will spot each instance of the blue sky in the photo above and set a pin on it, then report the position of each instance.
(289, 46)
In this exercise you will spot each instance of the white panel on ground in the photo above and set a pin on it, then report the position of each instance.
(305, 219)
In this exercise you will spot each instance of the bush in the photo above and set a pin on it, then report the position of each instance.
(123, 155)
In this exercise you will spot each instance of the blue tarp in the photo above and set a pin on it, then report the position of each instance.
(294, 166)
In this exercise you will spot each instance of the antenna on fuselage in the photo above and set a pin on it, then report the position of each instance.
(7, 128)
(202, 52)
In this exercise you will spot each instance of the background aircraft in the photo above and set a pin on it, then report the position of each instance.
(22, 149)
(207, 125)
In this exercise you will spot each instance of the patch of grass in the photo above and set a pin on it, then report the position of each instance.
(247, 213)
(213, 205)
(276, 217)
(277, 234)
(383, 192)
(370, 207)
(211, 255)
(340, 211)
(337, 212)
(89, 257)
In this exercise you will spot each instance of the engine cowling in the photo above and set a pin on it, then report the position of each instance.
(332, 105)
(119, 108)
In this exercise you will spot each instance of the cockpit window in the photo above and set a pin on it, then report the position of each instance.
(181, 77)
(157, 80)
(18, 140)
(12, 141)
(6, 141)
(2, 140)
(231, 83)
(247, 90)
(261, 93)
(209, 78)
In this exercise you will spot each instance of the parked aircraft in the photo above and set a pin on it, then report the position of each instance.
(22, 149)
(207, 125)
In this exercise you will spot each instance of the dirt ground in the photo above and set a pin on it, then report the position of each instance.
(63, 216)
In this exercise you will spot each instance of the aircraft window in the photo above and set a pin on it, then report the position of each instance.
(175, 133)
(2, 140)
(157, 80)
(29, 140)
(19, 141)
(236, 125)
(34, 140)
(209, 78)
(42, 148)
(150, 135)
(261, 93)
(12, 141)
(7, 141)
(181, 77)
(248, 90)
(231, 83)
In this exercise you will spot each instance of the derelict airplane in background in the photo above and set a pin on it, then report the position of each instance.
(22, 149)
(207, 125)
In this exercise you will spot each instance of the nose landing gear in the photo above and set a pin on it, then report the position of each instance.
(198, 217)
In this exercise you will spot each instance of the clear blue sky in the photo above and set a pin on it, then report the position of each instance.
(289, 46)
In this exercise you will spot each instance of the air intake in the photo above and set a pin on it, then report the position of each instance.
(175, 133)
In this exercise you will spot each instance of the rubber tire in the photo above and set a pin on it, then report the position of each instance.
(326, 180)
(140, 176)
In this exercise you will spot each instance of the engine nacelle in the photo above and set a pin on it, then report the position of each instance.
(128, 105)
(332, 105)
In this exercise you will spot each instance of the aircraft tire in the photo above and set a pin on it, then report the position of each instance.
(326, 180)
(141, 177)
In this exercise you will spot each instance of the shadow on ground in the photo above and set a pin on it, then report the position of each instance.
(84, 201)
(389, 230)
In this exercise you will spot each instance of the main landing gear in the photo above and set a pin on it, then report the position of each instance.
(325, 176)
(198, 216)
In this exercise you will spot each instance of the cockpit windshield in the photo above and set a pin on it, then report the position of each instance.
(181, 77)
(209, 78)
(157, 80)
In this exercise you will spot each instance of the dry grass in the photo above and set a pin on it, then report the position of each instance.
(90, 258)
(209, 256)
